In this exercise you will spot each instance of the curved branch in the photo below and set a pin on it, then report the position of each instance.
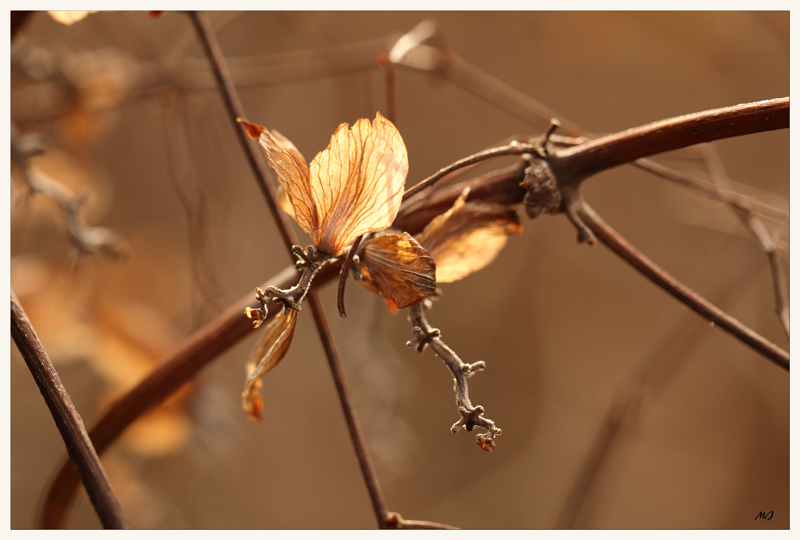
(657, 275)
(574, 164)
(67, 419)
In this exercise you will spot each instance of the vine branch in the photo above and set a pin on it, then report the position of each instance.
(67, 419)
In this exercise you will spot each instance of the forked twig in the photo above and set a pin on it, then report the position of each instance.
(67, 419)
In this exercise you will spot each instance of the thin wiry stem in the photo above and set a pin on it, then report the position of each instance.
(235, 110)
(67, 419)
(756, 227)
(514, 148)
(657, 275)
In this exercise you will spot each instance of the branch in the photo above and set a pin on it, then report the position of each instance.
(657, 275)
(67, 419)
(575, 164)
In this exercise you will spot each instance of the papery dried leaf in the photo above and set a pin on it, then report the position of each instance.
(468, 237)
(292, 171)
(284, 203)
(397, 267)
(357, 183)
(270, 348)
(69, 17)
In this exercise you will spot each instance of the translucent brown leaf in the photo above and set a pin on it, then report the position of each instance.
(358, 182)
(270, 348)
(353, 187)
(291, 170)
(468, 237)
(397, 267)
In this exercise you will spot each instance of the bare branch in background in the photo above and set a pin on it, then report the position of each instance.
(85, 238)
(770, 244)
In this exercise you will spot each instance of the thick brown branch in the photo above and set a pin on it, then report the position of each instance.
(67, 419)
(657, 275)
(573, 165)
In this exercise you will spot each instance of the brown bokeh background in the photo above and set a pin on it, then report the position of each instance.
(564, 328)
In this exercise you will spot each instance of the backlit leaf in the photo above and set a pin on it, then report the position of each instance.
(396, 266)
(353, 187)
(468, 237)
(270, 348)
(358, 182)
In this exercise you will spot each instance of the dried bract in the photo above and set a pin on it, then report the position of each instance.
(270, 348)
(468, 237)
(397, 267)
(353, 187)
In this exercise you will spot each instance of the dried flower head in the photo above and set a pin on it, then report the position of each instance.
(468, 237)
(353, 187)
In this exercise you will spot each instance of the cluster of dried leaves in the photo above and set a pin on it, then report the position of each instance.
(353, 190)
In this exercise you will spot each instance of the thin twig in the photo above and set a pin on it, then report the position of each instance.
(471, 416)
(514, 148)
(235, 111)
(657, 275)
(726, 195)
(756, 227)
(67, 419)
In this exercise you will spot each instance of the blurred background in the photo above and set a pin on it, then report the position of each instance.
(126, 110)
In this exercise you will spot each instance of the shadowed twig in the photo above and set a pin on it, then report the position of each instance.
(67, 419)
